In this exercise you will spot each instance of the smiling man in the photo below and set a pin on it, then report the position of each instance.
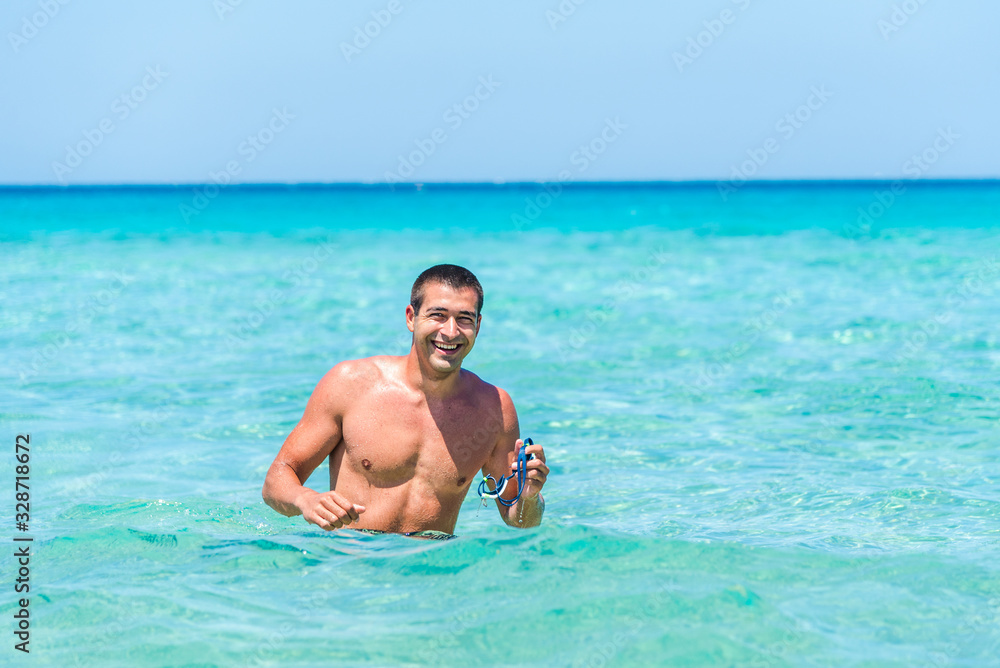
(406, 436)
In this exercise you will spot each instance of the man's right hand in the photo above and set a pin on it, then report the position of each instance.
(327, 510)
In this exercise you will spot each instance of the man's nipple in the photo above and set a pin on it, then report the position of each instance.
(367, 464)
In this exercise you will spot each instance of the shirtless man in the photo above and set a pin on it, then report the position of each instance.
(407, 435)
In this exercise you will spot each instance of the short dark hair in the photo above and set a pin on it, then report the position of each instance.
(451, 275)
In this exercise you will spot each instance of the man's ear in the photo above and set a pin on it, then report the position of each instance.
(410, 315)
(479, 322)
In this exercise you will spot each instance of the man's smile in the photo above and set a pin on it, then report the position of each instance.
(447, 348)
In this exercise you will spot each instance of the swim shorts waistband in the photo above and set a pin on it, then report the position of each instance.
(433, 534)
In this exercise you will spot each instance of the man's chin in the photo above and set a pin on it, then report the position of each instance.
(445, 364)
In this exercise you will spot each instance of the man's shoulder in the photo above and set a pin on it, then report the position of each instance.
(476, 384)
(362, 367)
(352, 375)
(485, 389)
(495, 405)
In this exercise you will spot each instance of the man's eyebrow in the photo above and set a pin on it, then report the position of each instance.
(432, 309)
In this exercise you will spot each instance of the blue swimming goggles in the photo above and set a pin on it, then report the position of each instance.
(522, 478)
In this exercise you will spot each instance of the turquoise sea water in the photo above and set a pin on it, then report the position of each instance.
(773, 432)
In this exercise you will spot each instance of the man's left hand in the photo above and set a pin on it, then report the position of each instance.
(537, 470)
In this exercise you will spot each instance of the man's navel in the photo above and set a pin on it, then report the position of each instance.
(461, 481)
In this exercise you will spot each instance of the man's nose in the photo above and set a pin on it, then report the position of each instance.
(450, 328)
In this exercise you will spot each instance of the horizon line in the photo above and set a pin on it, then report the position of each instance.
(419, 185)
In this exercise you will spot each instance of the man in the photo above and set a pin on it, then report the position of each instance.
(407, 435)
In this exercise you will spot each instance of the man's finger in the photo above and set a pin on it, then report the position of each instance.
(334, 503)
(539, 472)
(528, 462)
(534, 465)
(343, 515)
(339, 499)
(352, 514)
(536, 450)
(330, 506)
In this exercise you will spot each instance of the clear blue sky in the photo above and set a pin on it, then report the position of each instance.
(890, 81)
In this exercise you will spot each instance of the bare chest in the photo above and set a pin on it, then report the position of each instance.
(391, 440)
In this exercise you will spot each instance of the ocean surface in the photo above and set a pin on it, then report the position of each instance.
(771, 419)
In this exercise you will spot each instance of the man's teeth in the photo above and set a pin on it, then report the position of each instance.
(446, 346)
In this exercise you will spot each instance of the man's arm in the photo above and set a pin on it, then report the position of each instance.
(527, 512)
(312, 441)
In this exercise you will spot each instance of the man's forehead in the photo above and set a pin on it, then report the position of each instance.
(442, 294)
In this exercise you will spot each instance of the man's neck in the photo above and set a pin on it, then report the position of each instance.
(432, 383)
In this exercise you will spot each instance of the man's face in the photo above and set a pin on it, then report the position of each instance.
(445, 329)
